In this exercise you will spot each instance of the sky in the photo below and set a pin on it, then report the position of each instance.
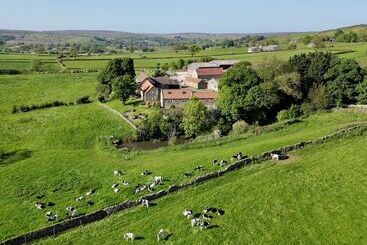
(172, 16)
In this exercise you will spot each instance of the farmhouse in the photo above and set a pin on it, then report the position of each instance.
(209, 73)
(150, 88)
(178, 97)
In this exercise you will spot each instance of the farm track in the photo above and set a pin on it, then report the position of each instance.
(120, 115)
(104, 213)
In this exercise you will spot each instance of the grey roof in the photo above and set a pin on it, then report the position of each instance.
(224, 62)
(163, 80)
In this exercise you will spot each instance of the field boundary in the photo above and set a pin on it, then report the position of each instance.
(103, 213)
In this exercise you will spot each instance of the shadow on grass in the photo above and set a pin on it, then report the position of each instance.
(14, 156)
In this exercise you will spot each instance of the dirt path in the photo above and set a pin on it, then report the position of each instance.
(120, 115)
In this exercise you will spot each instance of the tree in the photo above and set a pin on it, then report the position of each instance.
(178, 47)
(159, 71)
(361, 90)
(124, 87)
(342, 79)
(73, 52)
(317, 100)
(35, 65)
(193, 49)
(2, 42)
(233, 89)
(194, 117)
(114, 69)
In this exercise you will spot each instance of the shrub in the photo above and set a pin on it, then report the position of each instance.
(83, 100)
(240, 127)
(293, 112)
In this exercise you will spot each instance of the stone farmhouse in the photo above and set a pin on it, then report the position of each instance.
(200, 80)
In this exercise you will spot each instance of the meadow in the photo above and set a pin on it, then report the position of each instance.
(149, 60)
(317, 196)
(61, 153)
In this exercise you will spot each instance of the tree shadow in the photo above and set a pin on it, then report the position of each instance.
(168, 236)
(14, 156)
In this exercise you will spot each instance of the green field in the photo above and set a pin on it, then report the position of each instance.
(357, 51)
(58, 152)
(318, 196)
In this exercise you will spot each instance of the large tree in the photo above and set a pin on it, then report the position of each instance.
(233, 89)
(342, 79)
(193, 49)
(115, 68)
(194, 117)
(124, 87)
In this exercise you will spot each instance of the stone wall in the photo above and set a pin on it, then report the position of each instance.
(101, 214)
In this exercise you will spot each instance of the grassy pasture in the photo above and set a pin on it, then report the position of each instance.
(39, 88)
(318, 196)
(66, 160)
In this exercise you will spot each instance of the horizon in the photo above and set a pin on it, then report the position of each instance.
(209, 17)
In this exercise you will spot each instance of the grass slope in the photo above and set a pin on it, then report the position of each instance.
(319, 196)
(65, 163)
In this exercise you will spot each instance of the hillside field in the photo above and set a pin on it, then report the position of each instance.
(318, 196)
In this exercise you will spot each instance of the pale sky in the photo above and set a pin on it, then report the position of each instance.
(169, 16)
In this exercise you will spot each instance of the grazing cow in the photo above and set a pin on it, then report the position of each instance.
(199, 168)
(215, 162)
(223, 163)
(207, 216)
(74, 213)
(129, 236)
(145, 202)
(187, 174)
(161, 235)
(79, 198)
(49, 213)
(158, 180)
(125, 183)
(204, 225)
(117, 173)
(90, 203)
(114, 186)
(145, 172)
(187, 213)
(70, 209)
(90, 192)
(220, 211)
(39, 205)
(195, 222)
(116, 190)
(277, 156)
(209, 210)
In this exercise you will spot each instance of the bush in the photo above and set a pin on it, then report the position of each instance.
(293, 112)
(9, 72)
(83, 100)
(240, 127)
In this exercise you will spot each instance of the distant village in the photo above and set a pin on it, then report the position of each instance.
(199, 80)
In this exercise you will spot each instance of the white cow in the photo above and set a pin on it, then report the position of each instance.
(161, 235)
(129, 236)
(195, 222)
(187, 213)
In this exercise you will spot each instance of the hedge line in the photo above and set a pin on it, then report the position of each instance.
(56, 103)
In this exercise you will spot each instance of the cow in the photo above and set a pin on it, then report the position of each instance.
(204, 225)
(187, 213)
(125, 183)
(199, 168)
(161, 235)
(195, 222)
(114, 186)
(223, 163)
(129, 236)
(145, 202)
(215, 162)
(90, 192)
(39, 205)
(116, 190)
(79, 198)
(145, 172)
(117, 173)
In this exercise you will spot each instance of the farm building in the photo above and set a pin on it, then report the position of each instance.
(150, 88)
(178, 97)
(209, 73)
(212, 84)
(270, 48)
(194, 82)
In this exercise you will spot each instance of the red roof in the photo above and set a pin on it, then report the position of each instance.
(177, 94)
(210, 71)
(208, 94)
(181, 94)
